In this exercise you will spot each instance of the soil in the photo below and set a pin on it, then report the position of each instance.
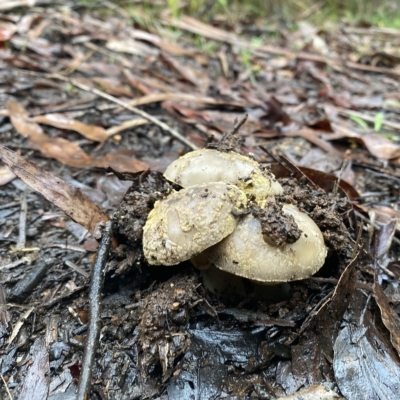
(163, 335)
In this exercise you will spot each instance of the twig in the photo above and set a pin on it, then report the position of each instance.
(374, 224)
(77, 268)
(30, 280)
(123, 104)
(6, 386)
(22, 223)
(231, 140)
(337, 182)
(334, 281)
(9, 205)
(5, 316)
(16, 263)
(55, 300)
(238, 124)
(71, 247)
(358, 240)
(94, 313)
(19, 324)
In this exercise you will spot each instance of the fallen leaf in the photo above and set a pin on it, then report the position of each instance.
(91, 132)
(384, 239)
(6, 175)
(113, 87)
(66, 152)
(194, 76)
(66, 197)
(378, 145)
(364, 363)
(313, 392)
(37, 379)
(131, 46)
(389, 317)
(309, 357)
(7, 30)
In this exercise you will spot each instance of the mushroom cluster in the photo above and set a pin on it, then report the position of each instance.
(214, 220)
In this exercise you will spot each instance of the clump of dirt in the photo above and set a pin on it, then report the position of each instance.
(131, 215)
(163, 321)
(328, 211)
(279, 227)
(231, 140)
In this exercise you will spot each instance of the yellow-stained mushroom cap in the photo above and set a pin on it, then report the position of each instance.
(246, 253)
(208, 165)
(191, 220)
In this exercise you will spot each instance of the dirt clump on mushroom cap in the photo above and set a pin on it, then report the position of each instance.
(280, 227)
(248, 254)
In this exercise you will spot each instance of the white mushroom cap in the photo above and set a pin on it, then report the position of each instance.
(190, 221)
(208, 165)
(247, 254)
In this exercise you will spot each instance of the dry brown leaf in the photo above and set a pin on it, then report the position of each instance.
(169, 47)
(132, 123)
(66, 152)
(92, 132)
(378, 145)
(66, 197)
(6, 175)
(7, 30)
(192, 98)
(195, 77)
(389, 317)
(113, 87)
(20, 120)
(131, 46)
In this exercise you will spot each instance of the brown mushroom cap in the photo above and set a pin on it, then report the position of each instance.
(208, 165)
(189, 221)
(247, 254)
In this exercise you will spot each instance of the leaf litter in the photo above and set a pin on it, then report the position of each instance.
(163, 333)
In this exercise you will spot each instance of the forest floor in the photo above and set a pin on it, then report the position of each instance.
(90, 97)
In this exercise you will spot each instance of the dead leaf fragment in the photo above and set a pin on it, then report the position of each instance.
(364, 363)
(37, 379)
(69, 199)
(92, 132)
(66, 152)
(380, 146)
(313, 392)
(7, 30)
(6, 175)
(389, 317)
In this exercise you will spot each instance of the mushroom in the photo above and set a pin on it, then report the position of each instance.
(189, 221)
(209, 165)
(247, 253)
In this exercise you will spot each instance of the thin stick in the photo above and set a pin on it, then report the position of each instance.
(238, 124)
(337, 182)
(77, 268)
(6, 386)
(22, 223)
(123, 104)
(94, 313)
(334, 281)
(358, 240)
